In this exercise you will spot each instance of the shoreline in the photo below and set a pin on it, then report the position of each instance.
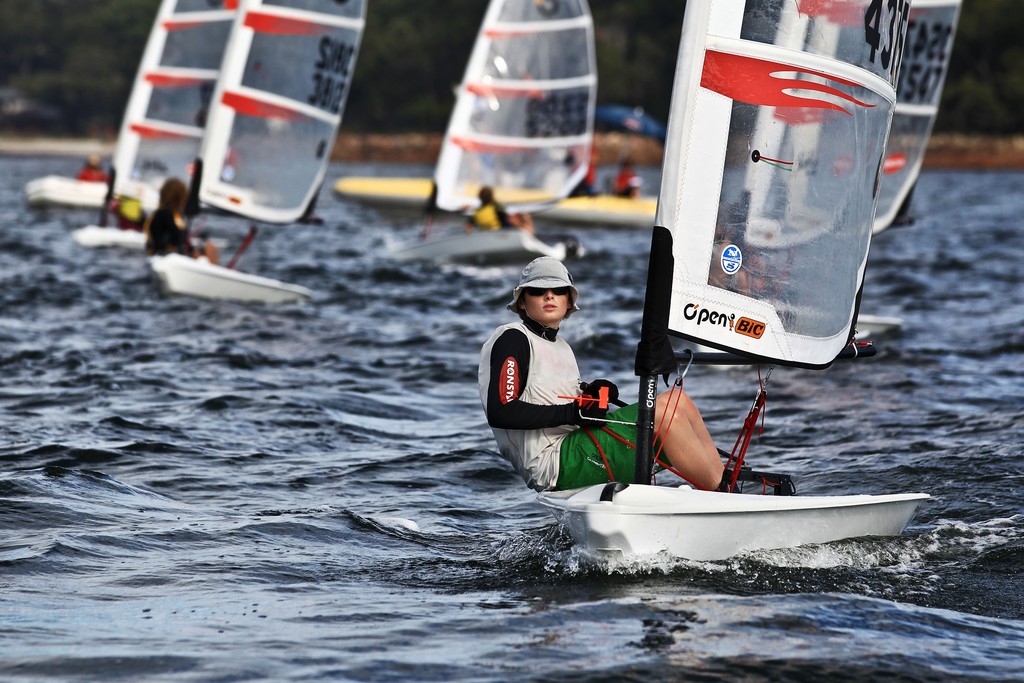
(945, 151)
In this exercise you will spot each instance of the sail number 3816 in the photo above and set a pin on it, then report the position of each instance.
(885, 30)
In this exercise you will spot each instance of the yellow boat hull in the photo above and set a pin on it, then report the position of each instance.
(598, 210)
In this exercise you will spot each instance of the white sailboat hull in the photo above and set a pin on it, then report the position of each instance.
(96, 236)
(179, 274)
(703, 525)
(53, 190)
(871, 325)
(491, 247)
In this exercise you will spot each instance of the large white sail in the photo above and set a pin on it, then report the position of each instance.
(278, 105)
(926, 58)
(523, 120)
(779, 118)
(164, 120)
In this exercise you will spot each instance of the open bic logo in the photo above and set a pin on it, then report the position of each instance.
(745, 326)
(751, 328)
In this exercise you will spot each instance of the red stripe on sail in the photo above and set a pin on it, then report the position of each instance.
(756, 81)
(894, 163)
(182, 24)
(253, 107)
(493, 33)
(167, 81)
(488, 90)
(477, 146)
(152, 133)
(842, 12)
(262, 22)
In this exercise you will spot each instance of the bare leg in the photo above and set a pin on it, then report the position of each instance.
(688, 444)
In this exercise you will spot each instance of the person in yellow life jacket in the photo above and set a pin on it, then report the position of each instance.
(491, 215)
(128, 211)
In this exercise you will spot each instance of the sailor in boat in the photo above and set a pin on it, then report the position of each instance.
(166, 230)
(91, 171)
(587, 187)
(627, 182)
(550, 426)
(128, 211)
(491, 215)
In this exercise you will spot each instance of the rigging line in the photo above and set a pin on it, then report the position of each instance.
(756, 156)
(778, 165)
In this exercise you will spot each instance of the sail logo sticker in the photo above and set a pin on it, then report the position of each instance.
(745, 326)
(732, 259)
(772, 84)
(894, 163)
(509, 380)
(750, 328)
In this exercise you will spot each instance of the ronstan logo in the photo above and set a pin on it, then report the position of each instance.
(509, 380)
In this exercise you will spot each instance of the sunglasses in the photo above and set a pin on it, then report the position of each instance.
(541, 291)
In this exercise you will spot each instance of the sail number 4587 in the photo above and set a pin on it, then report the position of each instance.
(885, 30)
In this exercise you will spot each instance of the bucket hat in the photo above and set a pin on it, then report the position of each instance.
(546, 272)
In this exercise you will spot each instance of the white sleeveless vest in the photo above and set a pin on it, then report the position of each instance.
(534, 453)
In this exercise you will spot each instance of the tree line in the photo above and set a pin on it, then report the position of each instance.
(80, 56)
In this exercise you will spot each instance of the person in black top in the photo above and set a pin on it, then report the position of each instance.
(165, 228)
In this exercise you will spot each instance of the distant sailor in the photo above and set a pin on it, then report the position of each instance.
(529, 378)
(165, 228)
(491, 215)
(91, 171)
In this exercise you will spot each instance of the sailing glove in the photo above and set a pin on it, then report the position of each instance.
(591, 412)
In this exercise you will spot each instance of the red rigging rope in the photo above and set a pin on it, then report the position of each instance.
(739, 449)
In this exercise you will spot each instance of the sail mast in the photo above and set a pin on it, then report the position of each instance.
(654, 355)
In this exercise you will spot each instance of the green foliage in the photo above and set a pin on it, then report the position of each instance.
(985, 87)
(81, 55)
(77, 55)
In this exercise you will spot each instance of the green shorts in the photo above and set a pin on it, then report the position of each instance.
(580, 461)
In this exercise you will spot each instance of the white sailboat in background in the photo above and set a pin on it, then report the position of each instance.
(926, 59)
(522, 125)
(166, 114)
(780, 113)
(160, 132)
(273, 120)
(926, 56)
(65, 192)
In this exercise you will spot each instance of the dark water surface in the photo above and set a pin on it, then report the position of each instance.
(206, 491)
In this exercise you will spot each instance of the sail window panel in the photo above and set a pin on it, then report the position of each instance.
(542, 10)
(201, 46)
(183, 6)
(865, 33)
(797, 201)
(904, 154)
(352, 9)
(186, 105)
(160, 158)
(531, 114)
(543, 56)
(518, 176)
(312, 69)
(275, 161)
